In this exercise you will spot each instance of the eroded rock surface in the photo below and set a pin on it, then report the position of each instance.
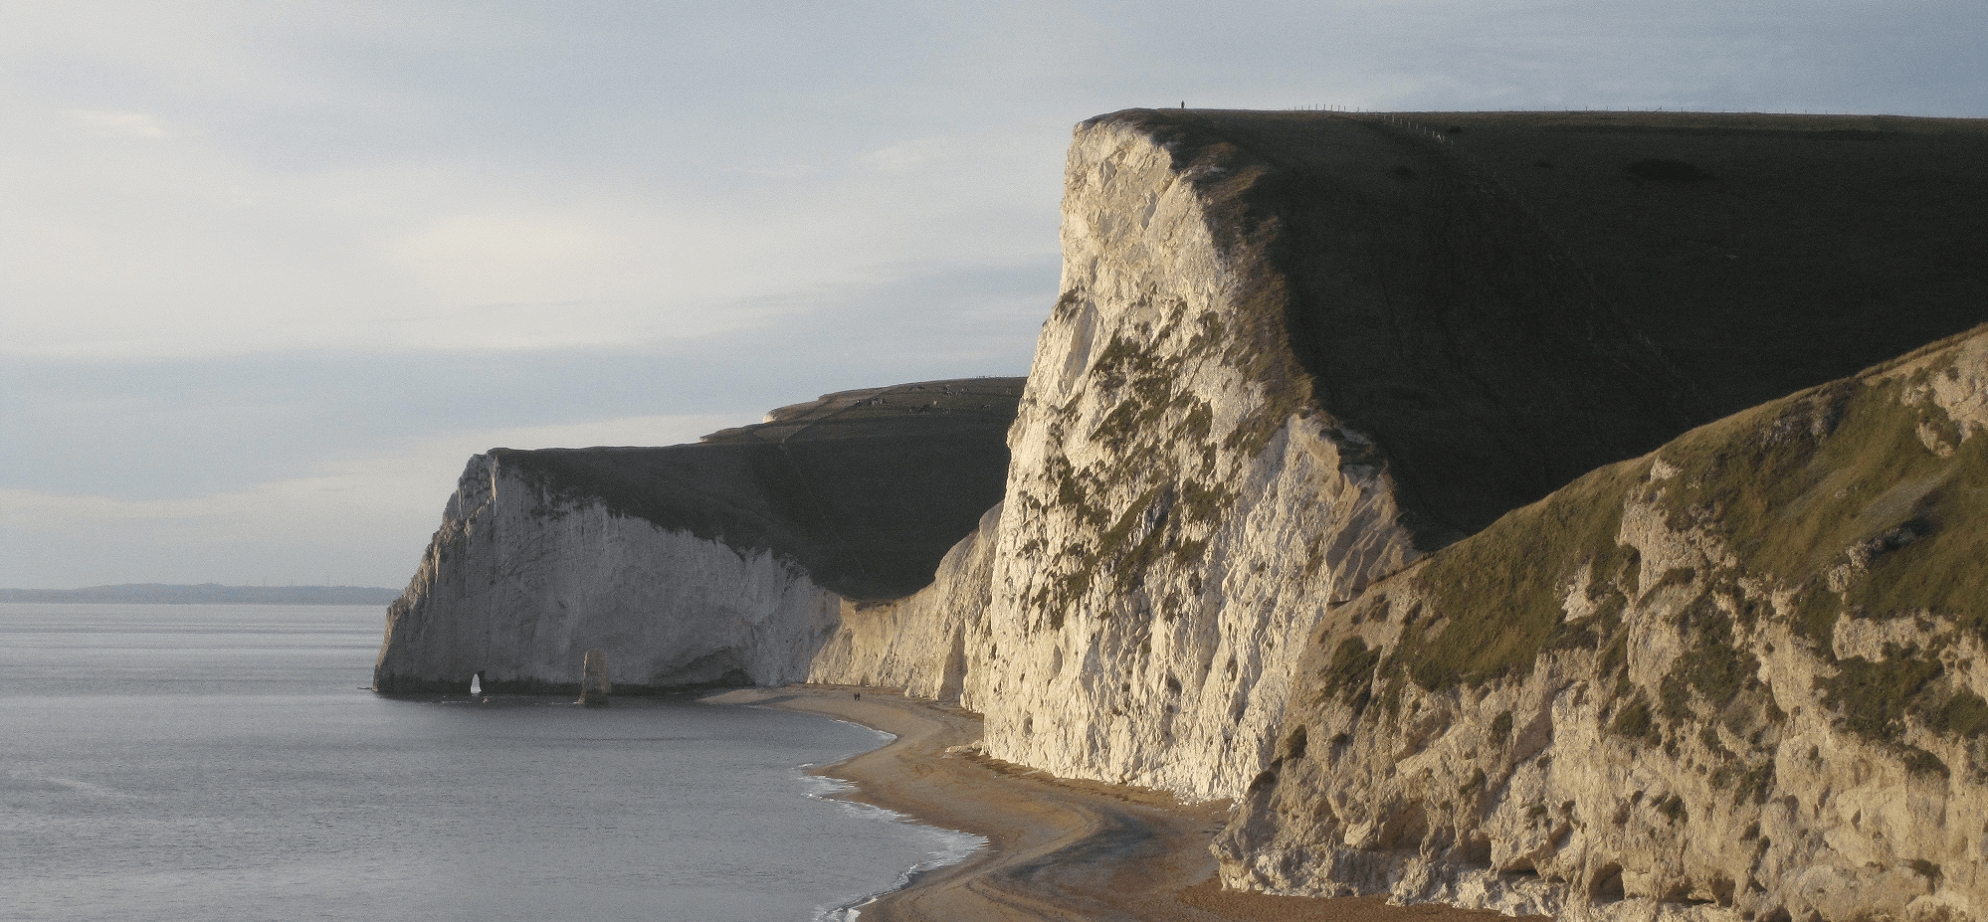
(922, 643)
(1296, 353)
(1740, 677)
(724, 561)
(1212, 449)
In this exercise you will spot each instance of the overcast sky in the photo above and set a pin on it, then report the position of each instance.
(271, 272)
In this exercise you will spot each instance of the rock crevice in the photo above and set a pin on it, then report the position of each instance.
(1736, 678)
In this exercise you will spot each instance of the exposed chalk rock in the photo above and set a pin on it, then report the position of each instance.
(1259, 536)
(920, 643)
(726, 561)
(518, 589)
(1295, 351)
(1740, 678)
(1198, 473)
(595, 686)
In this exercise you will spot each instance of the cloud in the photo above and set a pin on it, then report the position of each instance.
(908, 156)
(515, 281)
(477, 245)
(191, 248)
(197, 243)
(783, 172)
(180, 426)
(259, 260)
(125, 124)
(359, 520)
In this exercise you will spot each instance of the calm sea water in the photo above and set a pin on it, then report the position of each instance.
(222, 763)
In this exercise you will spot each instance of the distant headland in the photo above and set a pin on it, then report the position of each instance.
(208, 594)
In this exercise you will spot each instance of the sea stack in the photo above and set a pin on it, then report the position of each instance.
(594, 684)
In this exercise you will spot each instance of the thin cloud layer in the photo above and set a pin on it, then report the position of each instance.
(322, 523)
(250, 246)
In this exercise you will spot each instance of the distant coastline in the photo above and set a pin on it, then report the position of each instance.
(207, 594)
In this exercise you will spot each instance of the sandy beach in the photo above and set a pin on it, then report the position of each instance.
(1057, 849)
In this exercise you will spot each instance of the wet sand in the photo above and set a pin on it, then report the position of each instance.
(1057, 849)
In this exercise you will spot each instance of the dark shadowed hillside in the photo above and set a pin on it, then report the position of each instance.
(1530, 296)
(866, 489)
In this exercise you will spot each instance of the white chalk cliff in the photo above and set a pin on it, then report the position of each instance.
(1185, 499)
(1292, 510)
(725, 561)
(1742, 677)
(1171, 528)
(517, 584)
(926, 642)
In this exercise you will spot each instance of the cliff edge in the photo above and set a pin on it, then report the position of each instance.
(723, 561)
(1356, 478)
(1739, 677)
(1294, 352)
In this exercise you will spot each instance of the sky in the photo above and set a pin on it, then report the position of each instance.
(270, 273)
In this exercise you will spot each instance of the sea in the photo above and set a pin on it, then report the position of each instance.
(226, 762)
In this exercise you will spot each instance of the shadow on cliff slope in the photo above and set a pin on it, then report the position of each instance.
(1738, 677)
(1528, 297)
(865, 489)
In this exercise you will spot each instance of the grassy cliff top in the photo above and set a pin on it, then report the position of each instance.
(885, 411)
(866, 489)
(1861, 498)
(1763, 253)
(1508, 300)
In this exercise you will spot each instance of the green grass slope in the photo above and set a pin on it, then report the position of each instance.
(1859, 498)
(866, 489)
(1525, 297)
(1768, 631)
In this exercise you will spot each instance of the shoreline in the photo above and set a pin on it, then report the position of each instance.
(1057, 849)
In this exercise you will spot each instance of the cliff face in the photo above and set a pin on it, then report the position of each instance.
(1295, 352)
(920, 643)
(518, 584)
(724, 561)
(1155, 480)
(1318, 500)
(1213, 447)
(1739, 677)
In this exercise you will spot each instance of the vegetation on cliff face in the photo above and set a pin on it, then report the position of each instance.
(1860, 498)
(1403, 310)
(1502, 599)
(1441, 317)
(1251, 294)
(1866, 492)
(1137, 493)
(1772, 627)
(1501, 328)
(1167, 451)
